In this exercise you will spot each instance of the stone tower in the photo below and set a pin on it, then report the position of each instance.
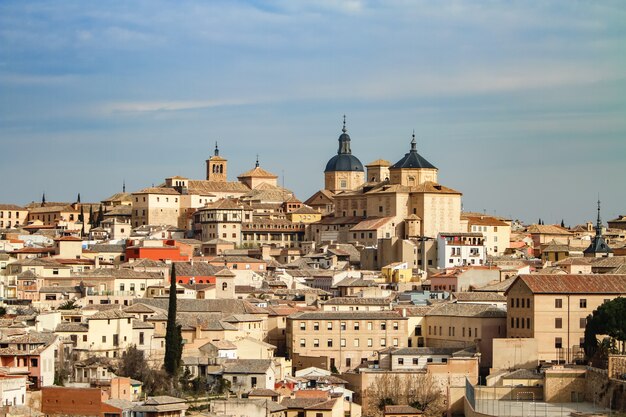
(216, 167)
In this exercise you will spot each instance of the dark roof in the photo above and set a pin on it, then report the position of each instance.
(344, 160)
(412, 159)
(598, 245)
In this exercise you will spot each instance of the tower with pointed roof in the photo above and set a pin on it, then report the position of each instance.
(216, 167)
(257, 176)
(412, 169)
(344, 171)
(598, 247)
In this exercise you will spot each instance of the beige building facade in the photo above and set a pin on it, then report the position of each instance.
(343, 340)
(553, 309)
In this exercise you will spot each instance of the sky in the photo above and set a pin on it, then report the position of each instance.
(521, 105)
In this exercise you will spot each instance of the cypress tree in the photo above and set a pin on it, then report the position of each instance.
(91, 219)
(173, 336)
(100, 216)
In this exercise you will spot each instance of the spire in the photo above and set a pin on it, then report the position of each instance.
(43, 199)
(124, 186)
(78, 198)
(344, 140)
(217, 150)
(599, 221)
(413, 143)
(257, 161)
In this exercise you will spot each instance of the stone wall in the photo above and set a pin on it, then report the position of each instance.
(563, 385)
(605, 391)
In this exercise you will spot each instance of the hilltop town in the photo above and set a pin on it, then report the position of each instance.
(375, 296)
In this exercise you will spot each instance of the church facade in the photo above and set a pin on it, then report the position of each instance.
(387, 206)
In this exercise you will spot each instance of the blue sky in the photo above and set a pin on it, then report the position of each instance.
(521, 105)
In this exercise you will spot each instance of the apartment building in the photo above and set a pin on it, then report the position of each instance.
(553, 309)
(343, 339)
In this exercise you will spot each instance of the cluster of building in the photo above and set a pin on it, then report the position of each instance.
(300, 307)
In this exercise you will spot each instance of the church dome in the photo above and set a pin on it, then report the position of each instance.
(344, 160)
(344, 163)
(413, 159)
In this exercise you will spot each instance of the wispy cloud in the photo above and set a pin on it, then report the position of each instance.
(167, 105)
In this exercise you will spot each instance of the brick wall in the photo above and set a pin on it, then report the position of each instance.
(71, 401)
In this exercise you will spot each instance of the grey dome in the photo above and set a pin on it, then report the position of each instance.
(344, 160)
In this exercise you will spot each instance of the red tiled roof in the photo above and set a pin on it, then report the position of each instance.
(574, 283)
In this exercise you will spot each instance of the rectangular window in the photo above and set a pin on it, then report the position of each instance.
(583, 322)
(383, 342)
(395, 325)
(141, 338)
(316, 343)
(558, 323)
(302, 343)
(316, 325)
(104, 339)
(356, 343)
(418, 330)
(583, 303)
(253, 381)
(395, 342)
(302, 325)
(342, 342)
(369, 343)
(343, 325)
(400, 361)
(383, 325)
(356, 325)
(558, 343)
(329, 343)
(558, 303)
(369, 325)
(329, 325)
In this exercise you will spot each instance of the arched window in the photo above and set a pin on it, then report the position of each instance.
(221, 169)
(224, 286)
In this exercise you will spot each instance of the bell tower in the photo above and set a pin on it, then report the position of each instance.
(216, 167)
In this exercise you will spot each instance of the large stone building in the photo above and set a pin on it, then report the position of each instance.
(174, 202)
(403, 202)
(343, 339)
(553, 310)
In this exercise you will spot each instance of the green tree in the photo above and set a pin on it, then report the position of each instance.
(91, 218)
(68, 305)
(609, 319)
(100, 217)
(173, 336)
